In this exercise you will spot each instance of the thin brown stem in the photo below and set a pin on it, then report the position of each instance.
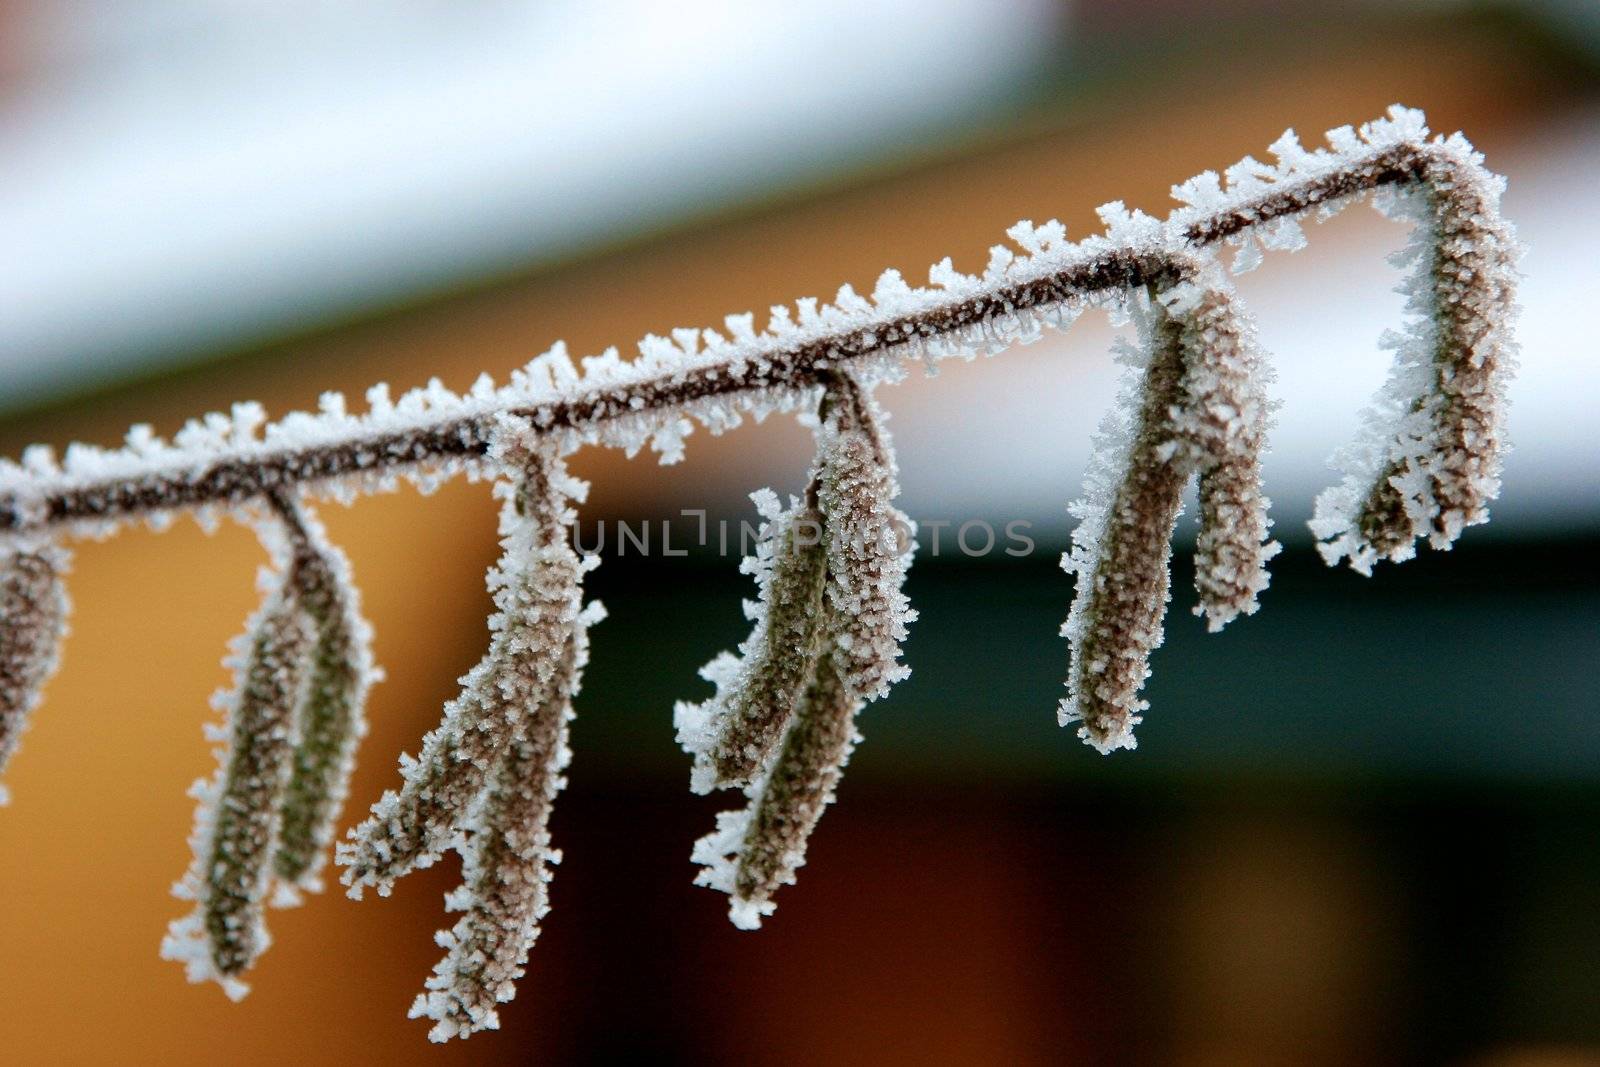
(239, 473)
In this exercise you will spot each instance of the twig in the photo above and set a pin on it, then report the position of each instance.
(614, 402)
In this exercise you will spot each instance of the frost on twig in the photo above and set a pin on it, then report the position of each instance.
(33, 622)
(861, 619)
(239, 809)
(536, 593)
(718, 377)
(331, 720)
(1427, 463)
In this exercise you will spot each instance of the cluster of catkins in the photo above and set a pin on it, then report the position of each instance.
(826, 639)
(831, 616)
(290, 726)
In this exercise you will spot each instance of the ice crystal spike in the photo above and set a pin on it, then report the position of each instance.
(240, 808)
(331, 719)
(536, 591)
(33, 621)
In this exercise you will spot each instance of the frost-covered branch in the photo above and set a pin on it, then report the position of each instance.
(831, 615)
(716, 377)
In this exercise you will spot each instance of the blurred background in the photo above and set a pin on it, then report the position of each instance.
(1359, 828)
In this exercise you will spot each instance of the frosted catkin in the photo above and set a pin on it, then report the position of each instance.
(535, 591)
(507, 870)
(744, 721)
(1120, 553)
(869, 543)
(1220, 421)
(504, 835)
(863, 621)
(331, 719)
(800, 786)
(1427, 463)
(755, 851)
(239, 809)
(33, 622)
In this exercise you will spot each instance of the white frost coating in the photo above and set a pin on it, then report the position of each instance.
(243, 435)
(1397, 427)
(719, 852)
